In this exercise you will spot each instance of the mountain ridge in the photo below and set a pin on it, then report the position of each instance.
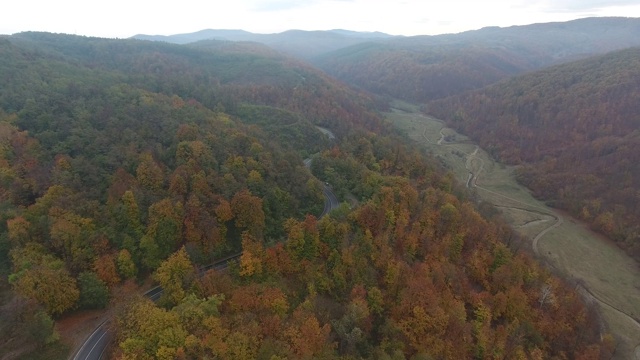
(236, 34)
(298, 43)
(573, 129)
(424, 68)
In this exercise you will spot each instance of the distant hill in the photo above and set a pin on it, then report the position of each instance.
(574, 128)
(207, 34)
(423, 68)
(298, 43)
(217, 72)
(124, 162)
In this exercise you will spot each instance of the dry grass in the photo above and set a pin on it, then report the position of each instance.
(572, 249)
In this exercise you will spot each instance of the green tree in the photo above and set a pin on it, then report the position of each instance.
(149, 173)
(163, 234)
(126, 267)
(193, 310)
(94, 293)
(42, 328)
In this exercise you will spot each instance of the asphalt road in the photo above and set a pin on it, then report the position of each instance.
(96, 344)
(330, 200)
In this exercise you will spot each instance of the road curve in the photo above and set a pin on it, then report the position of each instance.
(472, 183)
(330, 200)
(95, 345)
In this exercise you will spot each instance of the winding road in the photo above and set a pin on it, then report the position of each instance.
(472, 182)
(96, 344)
(94, 347)
(330, 200)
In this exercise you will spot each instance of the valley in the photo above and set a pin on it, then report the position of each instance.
(130, 162)
(603, 271)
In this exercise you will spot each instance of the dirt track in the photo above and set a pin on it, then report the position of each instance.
(472, 182)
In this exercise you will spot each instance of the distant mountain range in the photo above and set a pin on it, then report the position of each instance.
(299, 43)
(423, 68)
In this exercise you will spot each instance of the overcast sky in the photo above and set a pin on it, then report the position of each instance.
(120, 18)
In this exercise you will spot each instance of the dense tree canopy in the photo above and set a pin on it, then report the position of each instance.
(411, 272)
(574, 128)
(124, 159)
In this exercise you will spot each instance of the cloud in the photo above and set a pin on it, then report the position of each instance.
(586, 5)
(285, 5)
(281, 5)
(406, 17)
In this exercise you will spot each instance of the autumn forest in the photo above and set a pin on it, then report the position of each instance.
(126, 164)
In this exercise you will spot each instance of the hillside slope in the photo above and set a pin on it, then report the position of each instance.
(574, 128)
(217, 73)
(423, 68)
(123, 161)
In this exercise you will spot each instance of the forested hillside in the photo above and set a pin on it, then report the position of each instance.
(423, 68)
(216, 73)
(122, 160)
(574, 130)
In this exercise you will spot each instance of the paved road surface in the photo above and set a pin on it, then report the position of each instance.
(330, 200)
(96, 344)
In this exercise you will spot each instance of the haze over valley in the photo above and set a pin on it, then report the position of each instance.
(330, 194)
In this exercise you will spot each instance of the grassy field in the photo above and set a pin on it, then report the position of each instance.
(570, 248)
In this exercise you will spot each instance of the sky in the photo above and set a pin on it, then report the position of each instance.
(122, 19)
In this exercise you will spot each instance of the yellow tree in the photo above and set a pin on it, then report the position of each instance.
(71, 235)
(175, 275)
(126, 267)
(147, 332)
(132, 223)
(18, 229)
(223, 211)
(148, 173)
(42, 277)
(252, 255)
